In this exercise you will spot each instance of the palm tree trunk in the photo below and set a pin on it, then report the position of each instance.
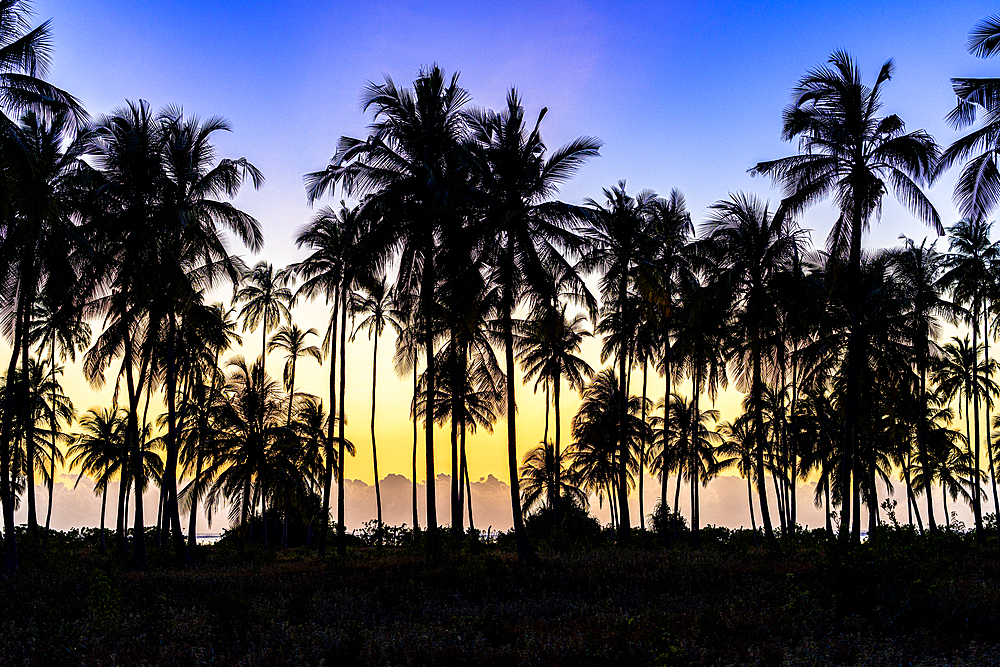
(428, 279)
(53, 422)
(757, 388)
(525, 552)
(104, 505)
(642, 445)
(977, 508)
(664, 472)
(854, 353)
(456, 503)
(872, 493)
(193, 518)
(6, 436)
(341, 526)
(416, 514)
(378, 488)
(829, 509)
(911, 497)
(330, 423)
(556, 518)
(29, 445)
(989, 439)
(753, 521)
(677, 500)
(468, 483)
(170, 468)
(139, 526)
(925, 461)
(624, 524)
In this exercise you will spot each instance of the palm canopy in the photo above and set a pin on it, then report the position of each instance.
(977, 190)
(850, 153)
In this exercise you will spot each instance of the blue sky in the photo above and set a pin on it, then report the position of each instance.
(685, 95)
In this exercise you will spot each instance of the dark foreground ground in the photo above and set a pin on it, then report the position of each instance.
(901, 601)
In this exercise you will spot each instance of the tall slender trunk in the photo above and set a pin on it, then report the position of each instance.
(468, 483)
(556, 514)
(428, 279)
(911, 497)
(29, 441)
(757, 389)
(138, 526)
(977, 508)
(989, 438)
(925, 461)
(330, 425)
(664, 469)
(753, 521)
(624, 524)
(53, 422)
(525, 552)
(416, 514)
(456, 503)
(342, 455)
(642, 445)
(170, 469)
(872, 492)
(378, 487)
(854, 344)
(102, 547)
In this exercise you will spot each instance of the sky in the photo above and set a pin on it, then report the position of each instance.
(684, 95)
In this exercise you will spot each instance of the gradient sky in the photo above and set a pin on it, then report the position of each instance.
(684, 95)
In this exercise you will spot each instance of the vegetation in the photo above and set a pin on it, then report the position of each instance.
(114, 242)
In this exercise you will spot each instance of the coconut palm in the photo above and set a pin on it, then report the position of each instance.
(851, 154)
(375, 304)
(739, 444)
(746, 247)
(539, 480)
(547, 347)
(97, 452)
(292, 340)
(969, 268)
(526, 232)
(919, 269)
(413, 173)
(977, 186)
(619, 241)
(266, 298)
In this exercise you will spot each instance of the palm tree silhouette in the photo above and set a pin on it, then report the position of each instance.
(619, 241)
(97, 451)
(547, 347)
(976, 189)
(413, 170)
(848, 152)
(746, 247)
(266, 298)
(375, 305)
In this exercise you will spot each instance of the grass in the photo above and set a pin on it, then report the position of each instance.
(899, 600)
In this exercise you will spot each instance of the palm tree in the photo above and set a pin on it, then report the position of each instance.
(413, 175)
(526, 232)
(97, 451)
(746, 247)
(919, 269)
(969, 268)
(596, 436)
(541, 480)
(976, 189)
(376, 305)
(661, 282)
(962, 372)
(619, 241)
(547, 347)
(38, 235)
(695, 446)
(292, 340)
(56, 323)
(266, 298)
(330, 235)
(739, 444)
(848, 152)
